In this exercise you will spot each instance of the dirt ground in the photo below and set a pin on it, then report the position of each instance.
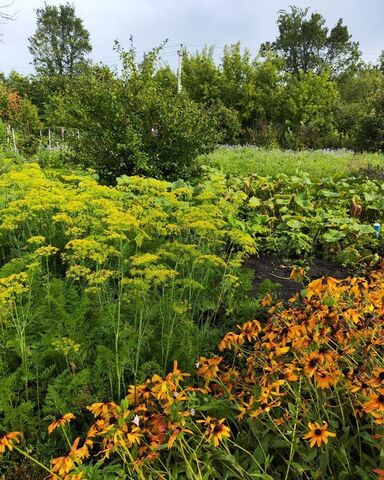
(272, 268)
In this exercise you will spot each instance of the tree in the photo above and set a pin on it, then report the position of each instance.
(308, 110)
(22, 115)
(141, 125)
(201, 76)
(357, 99)
(306, 44)
(60, 43)
(370, 135)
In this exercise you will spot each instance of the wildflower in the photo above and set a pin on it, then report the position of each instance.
(103, 409)
(378, 377)
(326, 355)
(46, 251)
(216, 430)
(375, 401)
(62, 465)
(127, 437)
(7, 440)
(326, 378)
(176, 375)
(318, 434)
(250, 330)
(289, 373)
(209, 366)
(311, 363)
(36, 240)
(79, 453)
(176, 432)
(230, 340)
(266, 301)
(297, 274)
(140, 393)
(60, 421)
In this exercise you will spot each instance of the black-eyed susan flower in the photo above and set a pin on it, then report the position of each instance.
(60, 421)
(377, 379)
(375, 401)
(318, 434)
(8, 439)
(326, 378)
(312, 363)
(216, 430)
(208, 367)
(104, 409)
(62, 465)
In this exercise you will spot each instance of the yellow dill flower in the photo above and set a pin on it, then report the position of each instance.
(46, 251)
(38, 240)
(144, 259)
(212, 259)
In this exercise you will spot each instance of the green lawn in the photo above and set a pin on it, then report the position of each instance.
(245, 161)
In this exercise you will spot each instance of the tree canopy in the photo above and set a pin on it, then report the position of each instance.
(61, 42)
(306, 43)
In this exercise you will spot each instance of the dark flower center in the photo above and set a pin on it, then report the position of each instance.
(381, 399)
(58, 417)
(313, 362)
(317, 432)
(217, 429)
(381, 376)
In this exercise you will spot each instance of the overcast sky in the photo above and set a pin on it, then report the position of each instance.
(191, 22)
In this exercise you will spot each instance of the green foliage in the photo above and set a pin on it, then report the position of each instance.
(20, 114)
(370, 135)
(142, 125)
(60, 43)
(102, 286)
(308, 110)
(316, 164)
(358, 94)
(306, 44)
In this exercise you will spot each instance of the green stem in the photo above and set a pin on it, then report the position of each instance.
(25, 454)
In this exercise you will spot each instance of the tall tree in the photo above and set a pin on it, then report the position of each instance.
(60, 43)
(306, 44)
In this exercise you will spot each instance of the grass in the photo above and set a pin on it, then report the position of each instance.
(245, 161)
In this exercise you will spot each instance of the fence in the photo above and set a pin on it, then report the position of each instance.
(49, 138)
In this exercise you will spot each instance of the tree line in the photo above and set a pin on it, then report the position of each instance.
(309, 88)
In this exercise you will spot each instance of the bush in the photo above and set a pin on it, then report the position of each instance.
(141, 125)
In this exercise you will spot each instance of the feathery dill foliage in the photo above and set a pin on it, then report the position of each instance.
(101, 286)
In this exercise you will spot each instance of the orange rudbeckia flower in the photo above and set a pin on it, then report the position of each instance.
(318, 434)
(216, 430)
(8, 439)
(60, 421)
(208, 367)
(375, 402)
